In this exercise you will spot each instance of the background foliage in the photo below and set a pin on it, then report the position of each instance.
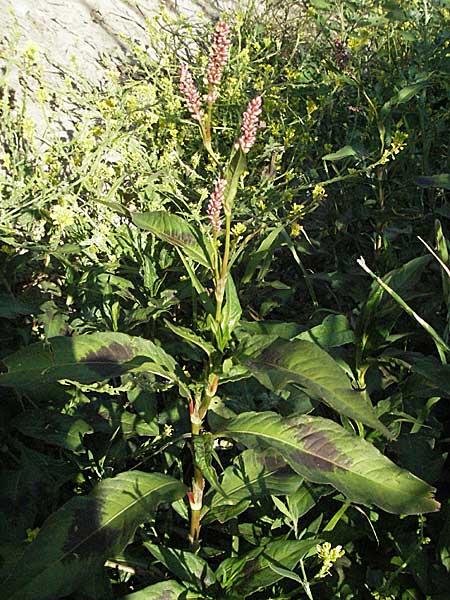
(352, 161)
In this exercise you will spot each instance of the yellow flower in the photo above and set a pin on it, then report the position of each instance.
(319, 192)
(296, 230)
(238, 229)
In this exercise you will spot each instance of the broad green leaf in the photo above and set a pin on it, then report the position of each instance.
(188, 567)
(78, 538)
(10, 307)
(438, 181)
(252, 475)
(87, 359)
(309, 366)
(322, 451)
(287, 331)
(252, 572)
(61, 430)
(347, 152)
(176, 231)
(166, 590)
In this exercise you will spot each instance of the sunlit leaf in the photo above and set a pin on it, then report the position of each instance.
(304, 363)
(324, 452)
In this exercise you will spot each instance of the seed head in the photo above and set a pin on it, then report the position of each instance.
(218, 56)
(190, 92)
(215, 205)
(250, 122)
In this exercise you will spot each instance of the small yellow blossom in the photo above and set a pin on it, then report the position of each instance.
(168, 430)
(329, 556)
(296, 230)
(62, 216)
(319, 192)
(238, 229)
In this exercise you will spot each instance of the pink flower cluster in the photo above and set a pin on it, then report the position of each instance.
(218, 56)
(190, 92)
(250, 123)
(215, 205)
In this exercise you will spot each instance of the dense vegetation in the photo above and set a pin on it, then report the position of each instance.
(225, 337)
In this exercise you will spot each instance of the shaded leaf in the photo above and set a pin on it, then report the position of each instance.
(78, 538)
(61, 430)
(324, 452)
(253, 572)
(436, 181)
(187, 566)
(252, 475)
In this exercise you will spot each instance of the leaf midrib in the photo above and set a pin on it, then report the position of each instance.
(116, 515)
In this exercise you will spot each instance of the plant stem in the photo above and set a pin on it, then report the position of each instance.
(337, 517)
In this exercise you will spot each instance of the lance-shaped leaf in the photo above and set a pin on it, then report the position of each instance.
(253, 571)
(304, 363)
(193, 570)
(79, 537)
(324, 452)
(165, 590)
(87, 359)
(176, 231)
(252, 475)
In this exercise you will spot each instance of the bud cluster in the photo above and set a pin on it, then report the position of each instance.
(250, 123)
(218, 56)
(190, 92)
(215, 205)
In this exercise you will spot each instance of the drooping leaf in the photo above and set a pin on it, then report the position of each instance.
(176, 231)
(253, 572)
(252, 475)
(165, 590)
(87, 359)
(191, 337)
(187, 566)
(322, 451)
(52, 427)
(78, 538)
(304, 363)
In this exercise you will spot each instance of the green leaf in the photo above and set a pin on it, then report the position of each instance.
(252, 475)
(87, 359)
(354, 151)
(231, 313)
(191, 337)
(165, 590)
(233, 174)
(176, 231)
(204, 452)
(78, 538)
(188, 567)
(262, 254)
(65, 431)
(404, 95)
(437, 181)
(334, 331)
(309, 366)
(324, 452)
(253, 571)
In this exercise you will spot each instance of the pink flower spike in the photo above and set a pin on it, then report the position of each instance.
(215, 205)
(218, 56)
(250, 123)
(190, 92)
